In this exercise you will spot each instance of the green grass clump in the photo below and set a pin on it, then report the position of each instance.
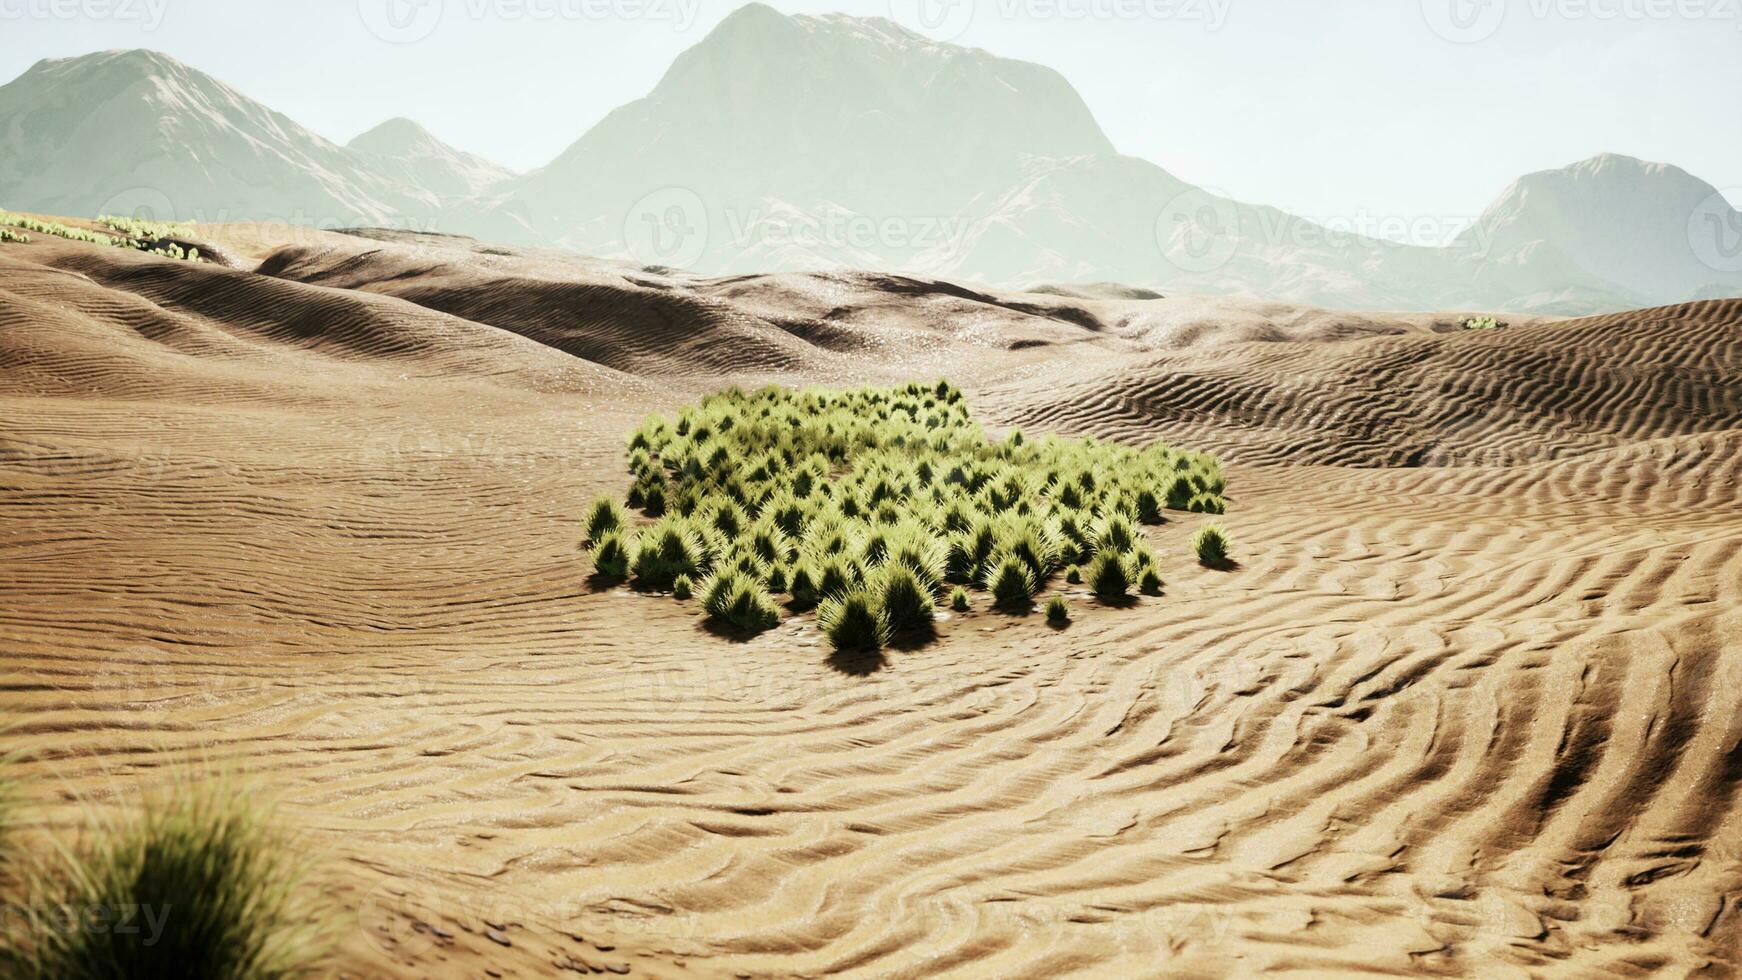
(959, 599)
(1482, 323)
(906, 601)
(1109, 577)
(819, 494)
(611, 557)
(668, 549)
(211, 890)
(682, 588)
(1074, 575)
(1058, 611)
(604, 517)
(1212, 544)
(853, 621)
(1149, 582)
(8, 235)
(1011, 582)
(739, 599)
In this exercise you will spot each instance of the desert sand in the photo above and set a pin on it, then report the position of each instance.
(1470, 703)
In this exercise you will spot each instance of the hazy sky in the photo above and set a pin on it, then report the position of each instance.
(1356, 110)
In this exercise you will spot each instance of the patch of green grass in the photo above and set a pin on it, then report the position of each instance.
(959, 601)
(141, 235)
(853, 621)
(1482, 323)
(682, 588)
(1212, 544)
(906, 602)
(210, 889)
(884, 495)
(1058, 611)
(604, 517)
(1108, 575)
(8, 235)
(731, 596)
(611, 557)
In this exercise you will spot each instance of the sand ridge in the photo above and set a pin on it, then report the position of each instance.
(1470, 704)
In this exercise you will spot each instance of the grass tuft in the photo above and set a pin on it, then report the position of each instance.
(213, 889)
(1212, 544)
(853, 621)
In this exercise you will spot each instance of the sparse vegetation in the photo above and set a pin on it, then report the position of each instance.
(208, 887)
(8, 235)
(1212, 544)
(866, 503)
(145, 236)
(1058, 611)
(1483, 323)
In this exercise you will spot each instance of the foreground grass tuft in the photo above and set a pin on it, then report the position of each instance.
(213, 891)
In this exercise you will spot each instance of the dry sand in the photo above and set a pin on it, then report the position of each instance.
(1471, 704)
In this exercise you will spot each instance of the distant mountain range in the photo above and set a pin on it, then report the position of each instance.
(784, 143)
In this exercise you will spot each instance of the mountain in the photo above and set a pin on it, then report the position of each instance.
(780, 143)
(805, 134)
(140, 132)
(1650, 229)
(407, 152)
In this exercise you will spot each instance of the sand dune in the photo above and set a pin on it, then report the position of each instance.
(1471, 703)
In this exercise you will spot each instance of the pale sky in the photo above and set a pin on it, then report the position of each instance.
(1351, 111)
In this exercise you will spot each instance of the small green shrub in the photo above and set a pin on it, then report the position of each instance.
(603, 517)
(1482, 323)
(1011, 582)
(959, 599)
(905, 601)
(666, 550)
(611, 557)
(225, 890)
(682, 588)
(8, 235)
(853, 622)
(1212, 544)
(1149, 582)
(739, 599)
(1108, 576)
(1058, 611)
(1074, 575)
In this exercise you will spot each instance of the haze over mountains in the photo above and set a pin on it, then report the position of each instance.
(792, 142)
